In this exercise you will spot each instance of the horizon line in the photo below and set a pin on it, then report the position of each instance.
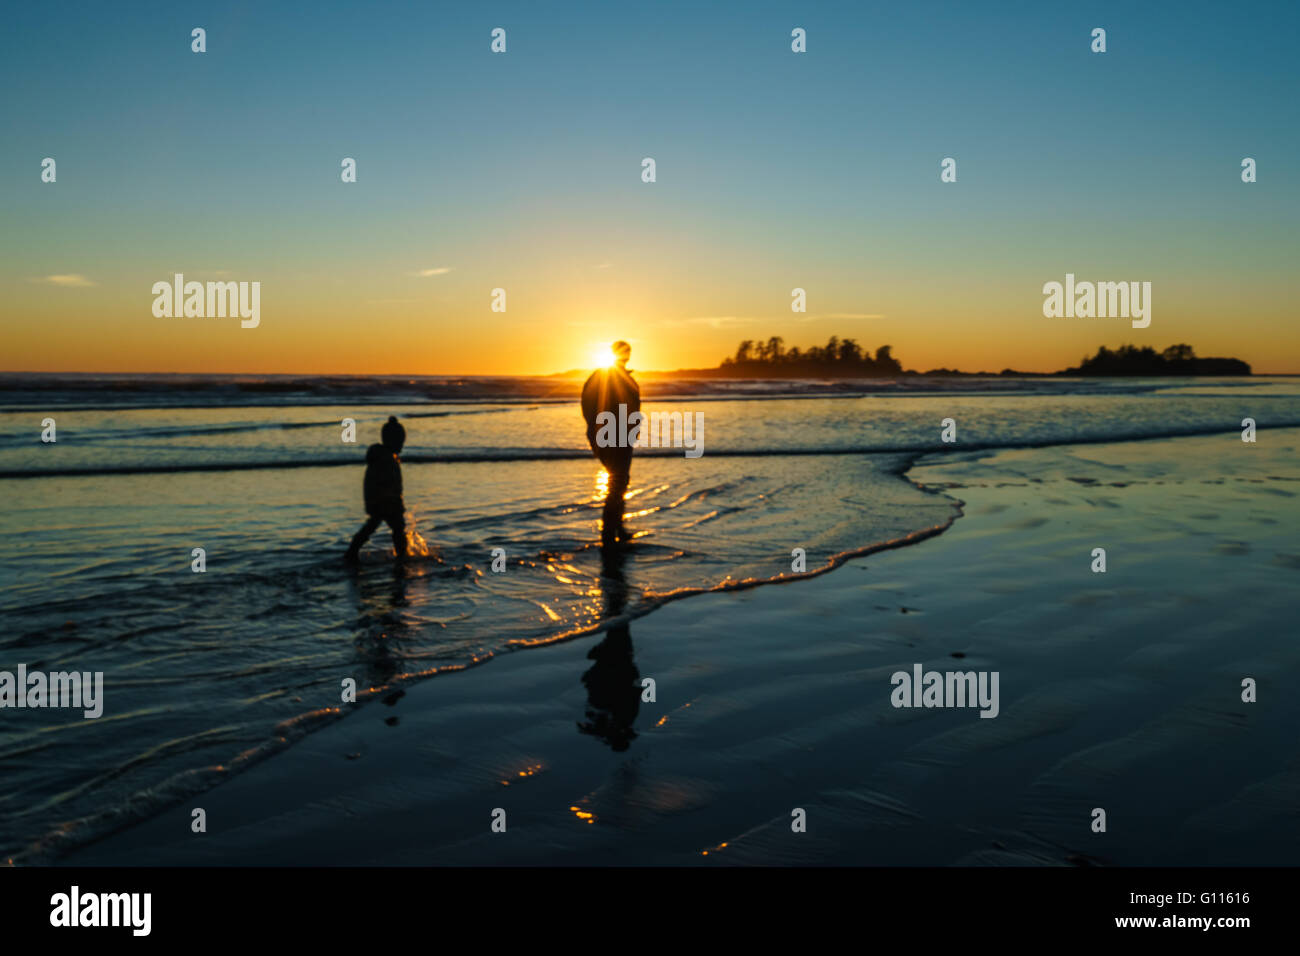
(576, 371)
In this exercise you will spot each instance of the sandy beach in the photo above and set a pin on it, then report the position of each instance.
(1119, 690)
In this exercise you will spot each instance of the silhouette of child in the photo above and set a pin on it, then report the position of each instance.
(382, 489)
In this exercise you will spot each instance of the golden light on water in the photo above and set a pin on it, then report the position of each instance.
(528, 771)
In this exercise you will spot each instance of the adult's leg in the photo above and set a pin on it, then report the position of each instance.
(619, 468)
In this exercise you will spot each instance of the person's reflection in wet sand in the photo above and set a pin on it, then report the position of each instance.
(381, 595)
(612, 682)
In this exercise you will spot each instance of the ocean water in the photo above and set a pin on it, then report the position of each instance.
(205, 673)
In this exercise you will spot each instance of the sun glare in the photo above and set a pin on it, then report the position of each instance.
(603, 357)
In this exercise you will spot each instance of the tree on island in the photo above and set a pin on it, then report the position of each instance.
(845, 358)
(1176, 360)
(840, 358)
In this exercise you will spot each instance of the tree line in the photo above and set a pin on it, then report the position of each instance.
(1178, 359)
(845, 358)
(839, 356)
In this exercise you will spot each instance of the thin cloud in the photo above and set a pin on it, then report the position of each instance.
(69, 281)
(425, 273)
(713, 321)
(740, 321)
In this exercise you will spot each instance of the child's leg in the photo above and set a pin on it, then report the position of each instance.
(397, 523)
(362, 536)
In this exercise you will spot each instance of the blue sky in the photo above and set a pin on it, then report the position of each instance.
(774, 170)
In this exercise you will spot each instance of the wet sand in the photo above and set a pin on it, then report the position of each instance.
(1118, 690)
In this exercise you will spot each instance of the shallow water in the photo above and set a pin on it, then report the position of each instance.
(210, 670)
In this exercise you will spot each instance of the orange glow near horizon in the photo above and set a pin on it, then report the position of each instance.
(82, 330)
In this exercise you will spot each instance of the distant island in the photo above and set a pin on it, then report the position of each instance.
(1175, 360)
(845, 358)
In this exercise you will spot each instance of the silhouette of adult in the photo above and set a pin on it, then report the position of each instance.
(612, 390)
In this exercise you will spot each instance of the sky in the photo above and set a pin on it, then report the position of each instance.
(522, 171)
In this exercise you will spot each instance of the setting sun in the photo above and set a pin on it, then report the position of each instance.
(603, 357)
